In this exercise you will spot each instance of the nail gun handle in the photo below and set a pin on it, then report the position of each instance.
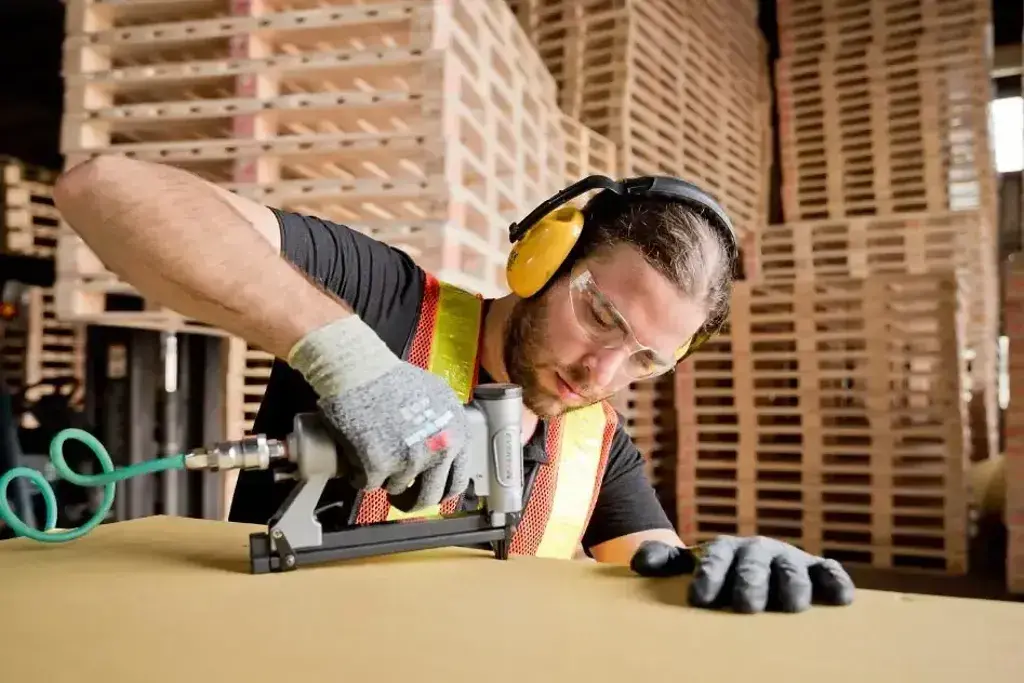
(494, 452)
(500, 445)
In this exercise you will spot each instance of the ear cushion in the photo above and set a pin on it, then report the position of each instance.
(540, 252)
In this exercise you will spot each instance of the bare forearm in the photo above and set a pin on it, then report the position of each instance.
(188, 245)
(621, 550)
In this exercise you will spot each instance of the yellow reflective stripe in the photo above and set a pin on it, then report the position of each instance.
(579, 458)
(432, 512)
(453, 353)
(456, 339)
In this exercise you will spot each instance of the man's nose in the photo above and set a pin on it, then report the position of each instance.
(604, 366)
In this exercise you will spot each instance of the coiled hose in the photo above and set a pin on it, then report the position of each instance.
(106, 479)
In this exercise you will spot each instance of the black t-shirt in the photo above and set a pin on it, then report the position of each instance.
(384, 287)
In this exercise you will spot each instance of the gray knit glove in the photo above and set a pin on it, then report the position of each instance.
(395, 422)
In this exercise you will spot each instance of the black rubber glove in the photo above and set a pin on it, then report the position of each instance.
(751, 574)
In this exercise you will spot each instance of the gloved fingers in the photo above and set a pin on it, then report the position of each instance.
(457, 480)
(417, 457)
(713, 569)
(753, 569)
(372, 479)
(790, 584)
(832, 584)
(362, 471)
(432, 482)
(659, 559)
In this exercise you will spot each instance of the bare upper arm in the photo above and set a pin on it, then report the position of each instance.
(260, 216)
(113, 169)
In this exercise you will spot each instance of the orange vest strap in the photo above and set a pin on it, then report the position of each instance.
(553, 522)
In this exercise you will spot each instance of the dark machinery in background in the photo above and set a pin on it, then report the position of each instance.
(152, 394)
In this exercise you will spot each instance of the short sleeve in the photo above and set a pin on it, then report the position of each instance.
(382, 284)
(627, 502)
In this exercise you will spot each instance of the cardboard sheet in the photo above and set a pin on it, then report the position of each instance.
(161, 599)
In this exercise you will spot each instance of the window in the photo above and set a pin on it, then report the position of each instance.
(1007, 115)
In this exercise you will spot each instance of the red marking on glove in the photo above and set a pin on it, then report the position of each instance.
(438, 441)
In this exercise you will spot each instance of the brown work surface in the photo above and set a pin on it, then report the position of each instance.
(166, 599)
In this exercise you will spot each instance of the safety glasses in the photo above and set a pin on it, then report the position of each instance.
(603, 324)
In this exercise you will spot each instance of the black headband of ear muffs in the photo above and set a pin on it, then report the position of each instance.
(642, 187)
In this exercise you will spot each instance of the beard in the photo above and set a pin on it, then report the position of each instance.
(526, 355)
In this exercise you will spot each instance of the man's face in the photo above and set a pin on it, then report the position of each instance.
(561, 365)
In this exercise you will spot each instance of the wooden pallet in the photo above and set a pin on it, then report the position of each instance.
(28, 219)
(1013, 320)
(248, 372)
(680, 87)
(884, 113)
(831, 415)
(35, 346)
(586, 152)
(648, 413)
(907, 243)
(825, 26)
(429, 125)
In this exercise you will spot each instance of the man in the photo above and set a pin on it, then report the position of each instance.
(357, 322)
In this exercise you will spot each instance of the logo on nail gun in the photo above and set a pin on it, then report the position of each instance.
(504, 445)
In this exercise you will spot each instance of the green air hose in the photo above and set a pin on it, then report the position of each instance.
(106, 479)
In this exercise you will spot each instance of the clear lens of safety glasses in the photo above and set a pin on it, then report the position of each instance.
(605, 326)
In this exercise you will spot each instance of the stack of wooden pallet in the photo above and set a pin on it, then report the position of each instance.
(681, 88)
(1013, 322)
(587, 152)
(833, 412)
(829, 414)
(428, 124)
(883, 112)
(34, 345)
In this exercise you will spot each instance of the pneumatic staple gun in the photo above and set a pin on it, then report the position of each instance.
(310, 455)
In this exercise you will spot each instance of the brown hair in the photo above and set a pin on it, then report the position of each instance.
(674, 238)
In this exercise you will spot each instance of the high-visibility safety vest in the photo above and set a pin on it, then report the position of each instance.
(447, 343)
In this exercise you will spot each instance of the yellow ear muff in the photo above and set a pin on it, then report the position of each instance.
(681, 351)
(536, 257)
